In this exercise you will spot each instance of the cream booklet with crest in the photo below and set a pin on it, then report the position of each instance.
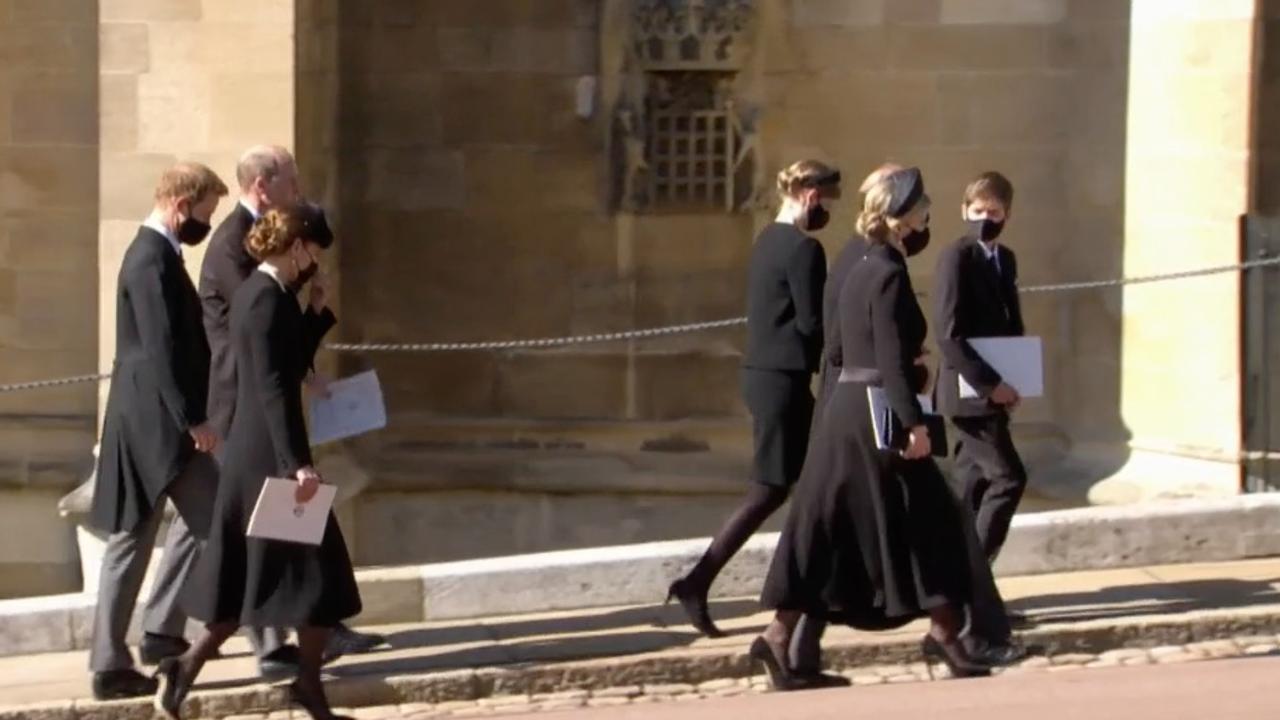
(279, 516)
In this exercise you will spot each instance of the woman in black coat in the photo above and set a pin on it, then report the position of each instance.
(875, 538)
(251, 581)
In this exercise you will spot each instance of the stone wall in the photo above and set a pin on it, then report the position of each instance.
(183, 79)
(475, 200)
(48, 290)
(476, 205)
(473, 203)
(1035, 89)
(458, 140)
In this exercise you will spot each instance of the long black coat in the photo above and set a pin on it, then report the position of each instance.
(832, 353)
(256, 581)
(160, 381)
(973, 300)
(226, 264)
(871, 540)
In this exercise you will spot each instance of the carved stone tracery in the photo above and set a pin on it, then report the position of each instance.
(686, 143)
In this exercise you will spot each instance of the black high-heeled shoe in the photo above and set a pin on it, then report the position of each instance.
(953, 656)
(315, 704)
(780, 676)
(819, 680)
(695, 607)
(173, 688)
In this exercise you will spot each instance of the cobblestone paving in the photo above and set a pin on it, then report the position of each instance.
(512, 705)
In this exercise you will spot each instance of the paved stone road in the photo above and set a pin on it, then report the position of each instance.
(1229, 690)
(1263, 650)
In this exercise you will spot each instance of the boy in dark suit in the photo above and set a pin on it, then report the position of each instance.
(976, 287)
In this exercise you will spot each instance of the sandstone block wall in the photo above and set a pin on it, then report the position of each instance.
(48, 288)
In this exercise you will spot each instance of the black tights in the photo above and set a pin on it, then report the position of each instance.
(761, 502)
(311, 645)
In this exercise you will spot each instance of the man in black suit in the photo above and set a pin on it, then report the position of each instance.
(156, 440)
(268, 178)
(977, 296)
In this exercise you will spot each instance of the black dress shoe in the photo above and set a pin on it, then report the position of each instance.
(280, 663)
(155, 648)
(996, 654)
(173, 688)
(120, 684)
(345, 641)
(819, 680)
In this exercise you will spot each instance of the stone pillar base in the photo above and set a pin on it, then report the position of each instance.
(1114, 474)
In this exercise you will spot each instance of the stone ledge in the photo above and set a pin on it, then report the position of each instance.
(672, 668)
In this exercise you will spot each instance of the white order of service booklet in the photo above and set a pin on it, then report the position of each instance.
(354, 407)
(279, 516)
(1019, 360)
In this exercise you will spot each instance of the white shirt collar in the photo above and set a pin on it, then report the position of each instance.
(155, 222)
(990, 248)
(273, 272)
(245, 204)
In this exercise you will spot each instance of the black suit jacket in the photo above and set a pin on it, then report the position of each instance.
(159, 384)
(226, 264)
(784, 301)
(973, 300)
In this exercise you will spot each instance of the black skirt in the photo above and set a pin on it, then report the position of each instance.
(272, 583)
(781, 406)
(871, 540)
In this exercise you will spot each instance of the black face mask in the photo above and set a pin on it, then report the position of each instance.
(193, 232)
(915, 242)
(985, 230)
(816, 217)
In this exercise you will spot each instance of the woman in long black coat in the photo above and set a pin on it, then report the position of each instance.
(251, 581)
(874, 538)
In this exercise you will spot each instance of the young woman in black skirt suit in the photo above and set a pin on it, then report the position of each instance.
(874, 538)
(250, 581)
(784, 343)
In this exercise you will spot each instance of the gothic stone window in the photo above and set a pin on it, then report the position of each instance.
(690, 142)
(687, 148)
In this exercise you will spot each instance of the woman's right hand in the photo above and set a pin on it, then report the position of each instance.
(308, 483)
(918, 444)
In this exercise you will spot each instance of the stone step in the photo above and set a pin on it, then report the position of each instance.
(625, 654)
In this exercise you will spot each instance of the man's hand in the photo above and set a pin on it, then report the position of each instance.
(319, 295)
(1005, 395)
(919, 445)
(308, 483)
(205, 438)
